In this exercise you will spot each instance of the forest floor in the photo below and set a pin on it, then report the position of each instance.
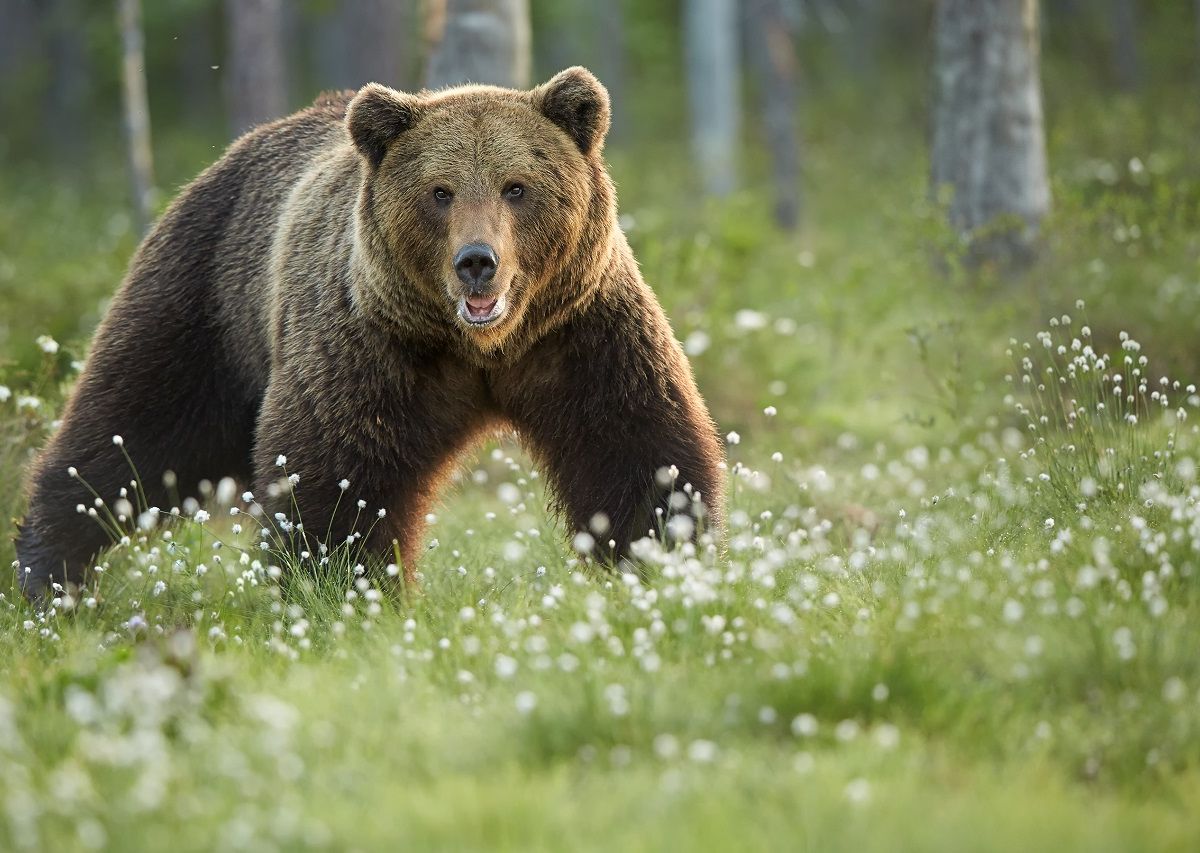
(959, 605)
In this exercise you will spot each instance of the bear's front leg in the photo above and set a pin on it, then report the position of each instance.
(608, 407)
(356, 465)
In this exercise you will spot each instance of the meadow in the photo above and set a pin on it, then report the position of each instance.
(956, 605)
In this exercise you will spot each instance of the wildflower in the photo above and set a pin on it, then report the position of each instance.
(280, 460)
(526, 701)
(5, 393)
(733, 438)
(584, 542)
(1174, 690)
(748, 320)
(666, 746)
(887, 736)
(846, 730)
(47, 344)
(697, 343)
(702, 751)
(804, 725)
(858, 791)
(506, 667)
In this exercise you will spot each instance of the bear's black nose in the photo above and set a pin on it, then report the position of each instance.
(475, 264)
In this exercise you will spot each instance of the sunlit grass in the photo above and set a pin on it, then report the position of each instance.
(950, 610)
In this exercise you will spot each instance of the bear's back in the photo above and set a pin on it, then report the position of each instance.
(215, 240)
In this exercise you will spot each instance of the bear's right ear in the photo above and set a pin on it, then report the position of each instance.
(376, 116)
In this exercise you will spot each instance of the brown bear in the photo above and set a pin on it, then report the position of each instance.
(368, 288)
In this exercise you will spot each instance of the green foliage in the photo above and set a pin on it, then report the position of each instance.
(950, 605)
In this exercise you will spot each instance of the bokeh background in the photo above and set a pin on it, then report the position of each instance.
(795, 176)
(956, 602)
(817, 114)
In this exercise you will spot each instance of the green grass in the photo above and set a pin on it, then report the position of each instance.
(930, 626)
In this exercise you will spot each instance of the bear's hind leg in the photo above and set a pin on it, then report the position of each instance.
(159, 383)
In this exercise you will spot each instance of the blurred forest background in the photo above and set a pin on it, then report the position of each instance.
(959, 597)
(891, 167)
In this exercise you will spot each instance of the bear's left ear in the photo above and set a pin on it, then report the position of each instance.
(578, 103)
(376, 116)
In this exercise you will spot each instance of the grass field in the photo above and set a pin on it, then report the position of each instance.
(957, 605)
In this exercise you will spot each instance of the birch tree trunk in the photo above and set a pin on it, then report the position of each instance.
(380, 41)
(611, 61)
(1126, 60)
(365, 41)
(479, 41)
(772, 43)
(988, 144)
(257, 79)
(137, 111)
(710, 34)
(70, 83)
(199, 83)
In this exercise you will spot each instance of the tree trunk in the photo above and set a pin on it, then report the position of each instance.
(1126, 60)
(199, 61)
(864, 39)
(775, 65)
(17, 36)
(711, 45)
(988, 143)
(479, 41)
(611, 61)
(137, 111)
(380, 41)
(365, 41)
(70, 82)
(257, 82)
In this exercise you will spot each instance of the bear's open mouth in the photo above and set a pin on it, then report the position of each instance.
(480, 310)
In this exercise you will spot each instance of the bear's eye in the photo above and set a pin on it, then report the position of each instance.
(515, 191)
(442, 194)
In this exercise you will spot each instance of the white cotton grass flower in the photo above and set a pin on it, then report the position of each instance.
(702, 751)
(47, 344)
(857, 791)
(804, 725)
(5, 393)
(697, 343)
(749, 320)
(525, 702)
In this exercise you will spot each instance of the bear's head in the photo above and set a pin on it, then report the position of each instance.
(494, 204)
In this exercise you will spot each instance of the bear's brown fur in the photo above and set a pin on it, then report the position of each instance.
(300, 298)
